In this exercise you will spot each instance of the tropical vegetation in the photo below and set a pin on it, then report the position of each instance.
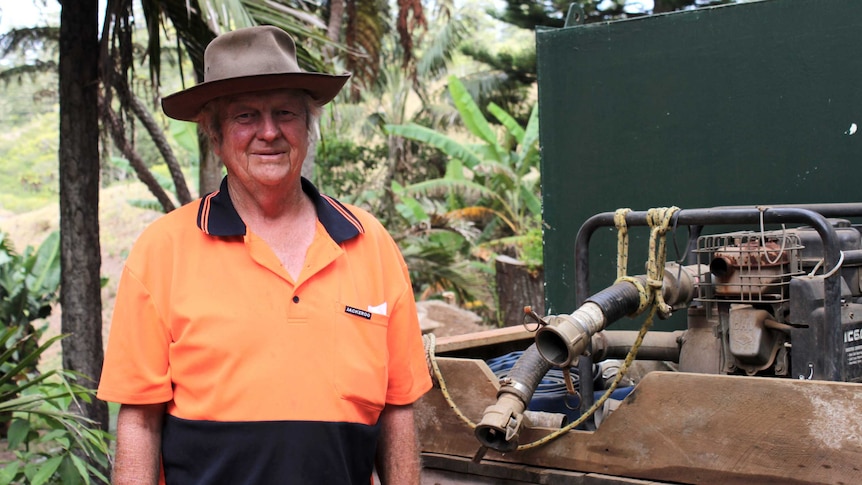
(487, 201)
(46, 436)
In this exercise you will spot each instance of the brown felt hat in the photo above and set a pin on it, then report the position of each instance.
(247, 60)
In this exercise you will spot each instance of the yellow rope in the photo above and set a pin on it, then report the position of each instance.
(659, 221)
(623, 259)
(622, 241)
(430, 344)
(607, 394)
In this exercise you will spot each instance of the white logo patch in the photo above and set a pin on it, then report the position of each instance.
(378, 309)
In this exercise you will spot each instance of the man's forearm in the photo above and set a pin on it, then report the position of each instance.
(398, 449)
(139, 433)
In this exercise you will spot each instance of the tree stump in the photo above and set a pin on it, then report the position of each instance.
(517, 287)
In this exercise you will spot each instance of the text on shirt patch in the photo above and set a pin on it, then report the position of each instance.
(357, 312)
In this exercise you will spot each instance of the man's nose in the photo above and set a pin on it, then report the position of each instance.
(268, 128)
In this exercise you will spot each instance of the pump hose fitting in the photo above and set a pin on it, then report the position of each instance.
(501, 422)
(568, 336)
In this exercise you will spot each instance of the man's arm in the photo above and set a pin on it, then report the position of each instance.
(398, 448)
(139, 435)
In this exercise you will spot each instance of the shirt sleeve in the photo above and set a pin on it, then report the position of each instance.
(136, 369)
(409, 377)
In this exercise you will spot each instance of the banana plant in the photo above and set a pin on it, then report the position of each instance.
(434, 245)
(493, 181)
(47, 440)
(29, 284)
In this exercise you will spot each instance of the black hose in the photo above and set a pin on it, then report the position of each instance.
(529, 370)
(522, 381)
(617, 300)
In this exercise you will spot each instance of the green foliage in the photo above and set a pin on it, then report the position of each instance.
(29, 282)
(435, 247)
(489, 198)
(494, 177)
(28, 152)
(342, 167)
(29, 285)
(46, 439)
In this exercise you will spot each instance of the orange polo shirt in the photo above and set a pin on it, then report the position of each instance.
(207, 320)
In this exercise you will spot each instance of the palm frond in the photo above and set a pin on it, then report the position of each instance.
(225, 15)
(434, 265)
(366, 27)
(437, 53)
(39, 39)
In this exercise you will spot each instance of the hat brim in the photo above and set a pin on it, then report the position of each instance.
(187, 104)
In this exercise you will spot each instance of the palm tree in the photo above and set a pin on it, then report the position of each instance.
(389, 99)
(196, 22)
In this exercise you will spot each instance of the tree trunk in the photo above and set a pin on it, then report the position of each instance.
(211, 167)
(195, 36)
(80, 257)
(333, 29)
(161, 142)
(118, 134)
(518, 287)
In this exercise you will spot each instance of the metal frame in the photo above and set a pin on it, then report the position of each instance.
(826, 366)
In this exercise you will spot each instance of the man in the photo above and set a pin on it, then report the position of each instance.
(265, 334)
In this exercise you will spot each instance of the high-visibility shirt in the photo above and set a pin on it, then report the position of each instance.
(267, 379)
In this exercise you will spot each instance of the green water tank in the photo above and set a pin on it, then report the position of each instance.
(755, 103)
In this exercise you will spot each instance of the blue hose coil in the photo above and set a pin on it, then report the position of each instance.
(551, 395)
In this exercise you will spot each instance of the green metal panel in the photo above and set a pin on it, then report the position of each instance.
(754, 103)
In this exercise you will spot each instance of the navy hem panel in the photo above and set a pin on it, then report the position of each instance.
(267, 452)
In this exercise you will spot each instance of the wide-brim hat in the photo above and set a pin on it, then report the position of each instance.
(246, 60)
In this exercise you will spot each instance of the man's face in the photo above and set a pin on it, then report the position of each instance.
(264, 137)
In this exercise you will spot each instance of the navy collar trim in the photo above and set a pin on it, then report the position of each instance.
(217, 215)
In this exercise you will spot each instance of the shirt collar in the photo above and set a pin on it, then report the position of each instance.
(218, 217)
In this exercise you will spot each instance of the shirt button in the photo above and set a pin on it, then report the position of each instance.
(296, 299)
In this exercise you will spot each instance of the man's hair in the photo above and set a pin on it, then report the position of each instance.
(210, 121)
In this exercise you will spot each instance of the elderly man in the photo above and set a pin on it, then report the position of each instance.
(265, 334)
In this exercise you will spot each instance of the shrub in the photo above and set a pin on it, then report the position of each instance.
(48, 442)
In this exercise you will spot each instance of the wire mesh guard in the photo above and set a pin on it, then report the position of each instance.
(748, 266)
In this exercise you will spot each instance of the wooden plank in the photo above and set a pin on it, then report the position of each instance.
(676, 427)
(453, 470)
(485, 338)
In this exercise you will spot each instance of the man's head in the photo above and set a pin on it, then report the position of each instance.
(252, 59)
(262, 137)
